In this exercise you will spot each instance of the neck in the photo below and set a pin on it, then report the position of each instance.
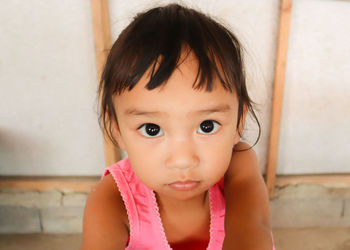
(168, 204)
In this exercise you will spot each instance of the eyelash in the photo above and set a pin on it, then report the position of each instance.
(216, 127)
(154, 128)
(143, 127)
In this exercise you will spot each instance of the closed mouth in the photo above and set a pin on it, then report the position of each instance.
(184, 185)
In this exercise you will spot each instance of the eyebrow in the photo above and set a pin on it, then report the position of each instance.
(216, 109)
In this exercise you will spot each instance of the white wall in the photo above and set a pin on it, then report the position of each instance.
(48, 81)
(48, 121)
(315, 132)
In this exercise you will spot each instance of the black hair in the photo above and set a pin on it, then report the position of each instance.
(155, 40)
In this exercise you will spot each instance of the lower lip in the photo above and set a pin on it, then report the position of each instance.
(184, 186)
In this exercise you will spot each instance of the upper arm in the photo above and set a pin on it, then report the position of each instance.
(247, 219)
(245, 189)
(105, 220)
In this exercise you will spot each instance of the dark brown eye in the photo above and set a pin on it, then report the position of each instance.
(208, 127)
(151, 130)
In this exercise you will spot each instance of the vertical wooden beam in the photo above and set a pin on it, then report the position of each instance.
(102, 35)
(280, 68)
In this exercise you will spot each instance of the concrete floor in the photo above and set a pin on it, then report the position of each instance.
(285, 239)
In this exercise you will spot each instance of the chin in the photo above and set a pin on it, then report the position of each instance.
(185, 196)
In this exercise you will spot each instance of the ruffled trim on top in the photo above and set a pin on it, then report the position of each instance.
(114, 170)
(159, 222)
(217, 216)
(211, 233)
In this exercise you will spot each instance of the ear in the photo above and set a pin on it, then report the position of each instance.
(239, 131)
(117, 135)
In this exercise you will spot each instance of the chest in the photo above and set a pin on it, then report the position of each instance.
(187, 230)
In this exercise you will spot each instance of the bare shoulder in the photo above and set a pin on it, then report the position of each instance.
(105, 224)
(244, 163)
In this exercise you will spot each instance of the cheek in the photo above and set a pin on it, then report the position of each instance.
(218, 152)
(220, 145)
(141, 169)
(221, 158)
(145, 162)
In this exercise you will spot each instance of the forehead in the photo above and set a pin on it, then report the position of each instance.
(177, 94)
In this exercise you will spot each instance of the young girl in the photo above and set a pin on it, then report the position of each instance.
(174, 97)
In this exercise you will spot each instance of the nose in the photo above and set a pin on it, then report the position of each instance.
(182, 155)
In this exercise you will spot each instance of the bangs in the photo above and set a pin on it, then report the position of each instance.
(157, 39)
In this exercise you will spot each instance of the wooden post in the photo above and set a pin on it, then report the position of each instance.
(102, 35)
(280, 68)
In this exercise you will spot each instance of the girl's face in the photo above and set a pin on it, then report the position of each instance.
(179, 140)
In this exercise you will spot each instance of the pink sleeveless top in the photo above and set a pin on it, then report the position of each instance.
(146, 228)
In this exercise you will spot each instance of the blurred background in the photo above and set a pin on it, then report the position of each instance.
(52, 149)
